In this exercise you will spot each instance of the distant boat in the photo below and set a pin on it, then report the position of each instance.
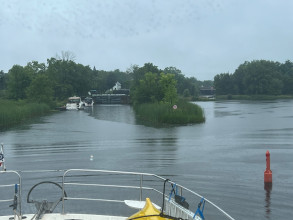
(74, 103)
(88, 102)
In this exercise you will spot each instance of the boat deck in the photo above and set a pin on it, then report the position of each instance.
(98, 194)
(56, 216)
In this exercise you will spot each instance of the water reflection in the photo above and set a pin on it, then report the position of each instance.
(268, 189)
(158, 142)
(220, 158)
(118, 113)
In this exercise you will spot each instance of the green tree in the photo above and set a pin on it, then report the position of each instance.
(168, 88)
(34, 68)
(183, 83)
(40, 90)
(69, 78)
(224, 84)
(137, 75)
(262, 78)
(111, 79)
(18, 80)
(287, 73)
(181, 80)
(207, 83)
(259, 77)
(2, 80)
(147, 89)
(186, 93)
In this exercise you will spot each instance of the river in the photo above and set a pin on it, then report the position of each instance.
(223, 159)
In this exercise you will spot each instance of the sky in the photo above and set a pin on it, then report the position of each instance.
(202, 38)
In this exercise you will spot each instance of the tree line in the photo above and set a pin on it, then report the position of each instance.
(61, 78)
(258, 77)
(151, 84)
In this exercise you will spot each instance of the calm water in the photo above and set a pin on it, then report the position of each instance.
(222, 159)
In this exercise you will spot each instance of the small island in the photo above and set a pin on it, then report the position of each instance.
(156, 101)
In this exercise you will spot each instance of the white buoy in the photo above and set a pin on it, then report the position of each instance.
(91, 157)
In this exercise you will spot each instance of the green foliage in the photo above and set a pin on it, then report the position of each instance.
(223, 83)
(3, 79)
(186, 93)
(164, 113)
(192, 84)
(138, 73)
(151, 85)
(61, 78)
(154, 87)
(287, 72)
(147, 89)
(40, 90)
(103, 80)
(167, 84)
(18, 80)
(154, 96)
(207, 83)
(259, 77)
(69, 78)
(16, 112)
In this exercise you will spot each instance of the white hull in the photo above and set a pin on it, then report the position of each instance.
(74, 106)
(75, 103)
(88, 104)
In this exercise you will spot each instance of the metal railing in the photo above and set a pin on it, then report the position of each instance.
(69, 178)
(140, 187)
(17, 190)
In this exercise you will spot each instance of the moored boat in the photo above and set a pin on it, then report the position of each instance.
(74, 103)
(88, 102)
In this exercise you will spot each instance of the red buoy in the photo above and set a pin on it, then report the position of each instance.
(268, 175)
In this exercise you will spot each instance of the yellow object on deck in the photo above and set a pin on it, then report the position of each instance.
(149, 212)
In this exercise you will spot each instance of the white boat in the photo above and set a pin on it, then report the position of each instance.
(88, 102)
(74, 103)
(87, 194)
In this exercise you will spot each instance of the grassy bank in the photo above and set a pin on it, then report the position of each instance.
(15, 112)
(162, 113)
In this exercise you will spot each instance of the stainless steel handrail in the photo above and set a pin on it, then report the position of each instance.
(140, 186)
(118, 186)
(104, 185)
(10, 185)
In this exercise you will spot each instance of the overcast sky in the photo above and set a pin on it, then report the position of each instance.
(202, 38)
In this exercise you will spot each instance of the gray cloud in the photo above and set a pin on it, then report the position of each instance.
(200, 37)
